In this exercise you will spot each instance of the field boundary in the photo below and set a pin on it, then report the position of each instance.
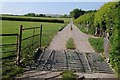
(10, 44)
(31, 19)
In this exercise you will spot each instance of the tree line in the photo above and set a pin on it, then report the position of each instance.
(36, 15)
(79, 12)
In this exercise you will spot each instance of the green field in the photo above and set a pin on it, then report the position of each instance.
(49, 29)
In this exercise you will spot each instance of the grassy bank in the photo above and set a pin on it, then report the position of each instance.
(97, 44)
(83, 28)
(70, 44)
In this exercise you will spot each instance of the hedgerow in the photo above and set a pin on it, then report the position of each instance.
(32, 19)
(107, 18)
(106, 15)
(86, 20)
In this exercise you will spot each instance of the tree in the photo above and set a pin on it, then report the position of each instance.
(64, 16)
(76, 13)
(30, 14)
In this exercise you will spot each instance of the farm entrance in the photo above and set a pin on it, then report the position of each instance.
(55, 60)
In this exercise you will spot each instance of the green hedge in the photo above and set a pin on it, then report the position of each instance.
(86, 20)
(31, 19)
(115, 42)
(106, 15)
(107, 18)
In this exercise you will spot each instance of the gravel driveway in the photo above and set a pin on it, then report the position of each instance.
(59, 41)
(80, 39)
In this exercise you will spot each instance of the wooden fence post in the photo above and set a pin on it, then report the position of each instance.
(107, 47)
(19, 48)
(40, 36)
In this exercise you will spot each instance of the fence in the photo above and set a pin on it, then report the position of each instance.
(9, 49)
(23, 46)
(107, 47)
(10, 45)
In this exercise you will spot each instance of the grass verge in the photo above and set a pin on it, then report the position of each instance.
(97, 44)
(70, 44)
(15, 72)
(69, 75)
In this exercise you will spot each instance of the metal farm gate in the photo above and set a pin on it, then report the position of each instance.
(27, 45)
(22, 48)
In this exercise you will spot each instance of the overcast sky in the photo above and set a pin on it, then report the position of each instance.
(47, 7)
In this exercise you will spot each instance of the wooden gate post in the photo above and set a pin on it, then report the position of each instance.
(40, 36)
(19, 48)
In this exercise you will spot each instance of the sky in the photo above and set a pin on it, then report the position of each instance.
(19, 8)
